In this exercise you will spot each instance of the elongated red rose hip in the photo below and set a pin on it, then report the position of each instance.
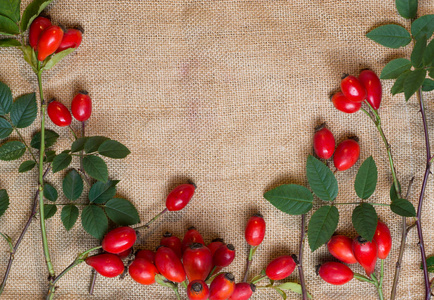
(179, 197)
(59, 114)
(172, 242)
(383, 239)
(191, 236)
(169, 265)
(224, 256)
(335, 273)
(344, 105)
(243, 291)
(346, 155)
(365, 253)
(48, 42)
(71, 39)
(341, 247)
(353, 89)
(280, 268)
(255, 230)
(118, 240)
(372, 84)
(106, 264)
(81, 106)
(35, 30)
(222, 287)
(197, 261)
(324, 142)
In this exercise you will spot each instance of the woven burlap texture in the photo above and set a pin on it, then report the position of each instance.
(225, 93)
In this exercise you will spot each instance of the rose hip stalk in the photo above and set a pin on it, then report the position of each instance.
(254, 235)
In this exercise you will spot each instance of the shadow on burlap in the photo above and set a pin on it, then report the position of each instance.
(225, 93)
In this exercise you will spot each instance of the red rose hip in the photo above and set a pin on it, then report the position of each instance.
(169, 265)
(324, 142)
(71, 39)
(222, 287)
(106, 264)
(179, 197)
(143, 271)
(383, 239)
(344, 105)
(197, 290)
(365, 253)
(59, 114)
(81, 106)
(35, 30)
(146, 254)
(49, 41)
(372, 84)
(243, 291)
(197, 260)
(255, 230)
(191, 236)
(341, 247)
(118, 240)
(280, 268)
(172, 242)
(353, 89)
(346, 155)
(224, 256)
(335, 273)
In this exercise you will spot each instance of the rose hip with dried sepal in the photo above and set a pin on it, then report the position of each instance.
(224, 256)
(323, 142)
(197, 290)
(243, 291)
(172, 242)
(335, 273)
(197, 260)
(191, 236)
(215, 244)
(222, 287)
(255, 230)
(71, 39)
(106, 264)
(365, 253)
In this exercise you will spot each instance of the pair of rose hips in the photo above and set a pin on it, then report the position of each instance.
(81, 108)
(46, 38)
(356, 90)
(352, 251)
(346, 154)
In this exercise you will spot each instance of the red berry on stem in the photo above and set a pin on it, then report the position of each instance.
(71, 39)
(222, 287)
(191, 236)
(106, 264)
(59, 114)
(81, 106)
(146, 254)
(365, 253)
(169, 265)
(215, 244)
(335, 273)
(243, 291)
(383, 239)
(118, 240)
(280, 268)
(255, 230)
(49, 41)
(197, 290)
(346, 155)
(197, 260)
(344, 105)
(172, 242)
(372, 84)
(35, 30)
(179, 197)
(324, 142)
(224, 256)
(353, 89)
(143, 271)
(341, 247)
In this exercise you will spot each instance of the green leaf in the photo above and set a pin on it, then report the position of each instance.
(49, 155)
(113, 149)
(290, 198)
(55, 58)
(428, 57)
(395, 68)
(24, 110)
(280, 292)
(26, 166)
(50, 192)
(4, 201)
(366, 179)
(322, 225)
(407, 8)
(392, 36)
(5, 99)
(69, 216)
(12, 150)
(429, 264)
(101, 192)
(78, 144)
(61, 161)
(72, 185)
(10, 9)
(365, 220)
(413, 82)
(9, 43)
(292, 286)
(398, 87)
(431, 72)
(423, 27)
(32, 11)
(92, 144)
(418, 52)
(49, 210)
(94, 221)
(29, 56)
(50, 139)
(428, 85)
(8, 27)
(321, 179)
(122, 212)
(5, 128)
(393, 194)
(95, 167)
(403, 208)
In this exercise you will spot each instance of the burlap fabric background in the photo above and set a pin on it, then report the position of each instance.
(225, 93)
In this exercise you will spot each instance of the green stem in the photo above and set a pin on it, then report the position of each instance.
(175, 289)
(25, 144)
(210, 273)
(73, 133)
(262, 278)
(360, 277)
(356, 203)
(381, 272)
(249, 262)
(378, 285)
(152, 220)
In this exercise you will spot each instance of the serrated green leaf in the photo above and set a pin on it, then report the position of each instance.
(403, 208)
(322, 225)
(29, 56)
(24, 110)
(92, 144)
(428, 57)
(122, 212)
(32, 11)
(366, 179)
(10, 9)
(413, 82)
(55, 58)
(392, 36)
(429, 264)
(8, 27)
(398, 86)
(5, 99)
(290, 198)
(49, 156)
(113, 149)
(50, 139)
(321, 179)
(407, 8)
(395, 68)
(12, 150)
(78, 144)
(49, 210)
(428, 85)
(418, 52)
(94, 221)
(50, 192)
(72, 185)
(101, 192)
(5, 128)
(365, 220)
(69, 216)
(61, 162)
(26, 166)
(9, 43)
(4, 201)
(95, 167)
(423, 27)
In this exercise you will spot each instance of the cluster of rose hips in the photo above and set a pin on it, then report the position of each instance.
(81, 108)
(356, 90)
(355, 250)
